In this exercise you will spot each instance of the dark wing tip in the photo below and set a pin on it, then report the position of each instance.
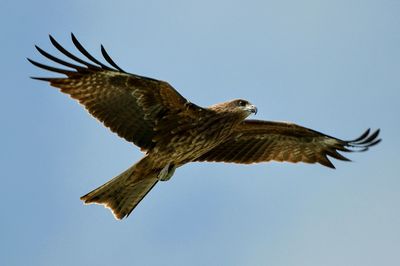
(326, 162)
(53, 40)
(360, 144)
(334, 154)
(81, 49)
(93, 63)
(365, 141)
(108, 59)
(42, 79)
(363, 135)
(49, 68)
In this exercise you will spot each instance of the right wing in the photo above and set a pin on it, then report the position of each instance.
(128, 104)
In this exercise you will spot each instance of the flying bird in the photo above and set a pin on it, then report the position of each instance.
(172, 131)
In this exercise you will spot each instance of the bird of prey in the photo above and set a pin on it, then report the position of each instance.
(172, 131)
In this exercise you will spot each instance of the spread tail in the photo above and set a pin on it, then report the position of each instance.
(122, 193)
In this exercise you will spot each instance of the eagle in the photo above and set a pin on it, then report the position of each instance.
(173, 131)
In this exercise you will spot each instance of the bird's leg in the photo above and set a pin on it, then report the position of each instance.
(166, 173)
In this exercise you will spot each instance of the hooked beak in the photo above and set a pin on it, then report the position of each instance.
(253, 109)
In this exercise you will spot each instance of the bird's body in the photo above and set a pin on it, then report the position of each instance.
(173, 131)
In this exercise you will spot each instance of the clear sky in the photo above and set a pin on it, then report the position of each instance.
(330, 65)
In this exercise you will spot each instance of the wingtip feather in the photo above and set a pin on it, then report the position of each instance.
(326, 162)
(364, 142)
(108, 58)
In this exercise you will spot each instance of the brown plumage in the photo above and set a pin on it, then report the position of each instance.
(173, 131)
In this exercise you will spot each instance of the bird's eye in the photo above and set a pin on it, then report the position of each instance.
(242, 103)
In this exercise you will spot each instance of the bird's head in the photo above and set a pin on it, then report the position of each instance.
(238, 106)
(244, 106)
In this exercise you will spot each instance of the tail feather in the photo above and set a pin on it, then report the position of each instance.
(122, 193)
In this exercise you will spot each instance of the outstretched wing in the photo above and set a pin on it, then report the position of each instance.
(259, 141)
(130, 105)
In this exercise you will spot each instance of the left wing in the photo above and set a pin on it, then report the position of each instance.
(260, 141)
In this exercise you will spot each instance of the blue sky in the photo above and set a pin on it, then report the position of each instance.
(329, 65)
